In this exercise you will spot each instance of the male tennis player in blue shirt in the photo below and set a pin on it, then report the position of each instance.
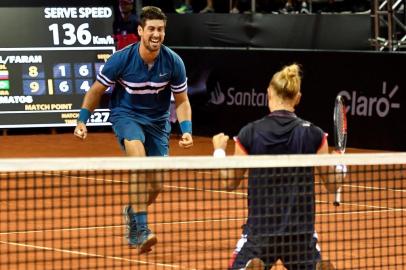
(281, 201)
(143, 75)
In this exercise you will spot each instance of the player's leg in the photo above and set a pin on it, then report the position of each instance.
(138, 181)
(322, 263)
(132, 234)
(139, 198)
(145, 186)
(247, 253)
(156, 144)
(155, 186)
(132, 138)
(241, 254)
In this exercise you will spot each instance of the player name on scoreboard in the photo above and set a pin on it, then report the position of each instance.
(19, 59)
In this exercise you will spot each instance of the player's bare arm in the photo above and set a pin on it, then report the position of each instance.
(184, 114)
(230, 179)
(90, 102)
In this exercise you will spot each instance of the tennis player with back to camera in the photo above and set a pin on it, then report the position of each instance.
(281, 210)
(143, 75)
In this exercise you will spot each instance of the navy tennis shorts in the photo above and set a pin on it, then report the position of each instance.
(154, 136)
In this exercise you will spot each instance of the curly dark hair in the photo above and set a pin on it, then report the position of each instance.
(151, 13)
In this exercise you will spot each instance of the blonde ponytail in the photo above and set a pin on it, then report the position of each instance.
(287, 81)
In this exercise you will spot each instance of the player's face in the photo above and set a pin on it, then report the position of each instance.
(152, 35)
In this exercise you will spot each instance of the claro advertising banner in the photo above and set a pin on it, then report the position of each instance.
(228, 88)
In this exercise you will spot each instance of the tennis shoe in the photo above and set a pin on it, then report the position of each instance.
(146, 239)
(131, 226)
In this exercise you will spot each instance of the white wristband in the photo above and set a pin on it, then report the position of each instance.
(219, 153)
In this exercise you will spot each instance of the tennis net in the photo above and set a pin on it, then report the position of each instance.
(67, 213)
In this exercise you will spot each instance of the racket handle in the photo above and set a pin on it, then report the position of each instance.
(337, 197)
(342, 170)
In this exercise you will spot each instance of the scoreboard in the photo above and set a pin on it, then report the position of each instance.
(49, 58)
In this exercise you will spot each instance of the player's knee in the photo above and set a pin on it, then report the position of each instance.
(153, 194)
(156, 188)
(134, 148)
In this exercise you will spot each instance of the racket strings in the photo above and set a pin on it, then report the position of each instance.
(340, 124)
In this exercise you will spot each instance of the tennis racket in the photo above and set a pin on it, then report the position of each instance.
(340, 138)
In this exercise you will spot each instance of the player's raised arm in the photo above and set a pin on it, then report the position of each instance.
(90, 102)
(231, 178)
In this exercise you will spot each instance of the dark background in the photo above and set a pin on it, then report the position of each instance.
(372, 83)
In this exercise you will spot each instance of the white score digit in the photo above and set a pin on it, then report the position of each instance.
(105, 116)
(85, 86)
(33, 71)
(64, 86)
(83, 71)
(34, 87)
(100, 117)
(63, 71)
(97, 117)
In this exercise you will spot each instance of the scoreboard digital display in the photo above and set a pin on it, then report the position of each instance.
(49, 58)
